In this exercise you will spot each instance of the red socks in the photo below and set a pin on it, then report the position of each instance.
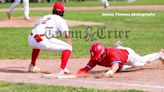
(35, 53)
(64, 58)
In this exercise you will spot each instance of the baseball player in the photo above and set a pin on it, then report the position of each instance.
(39, 40)
(15, 4)
(105, 3)
(119, 58)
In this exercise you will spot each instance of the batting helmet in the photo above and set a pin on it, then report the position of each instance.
(58, 9)
(96, 50)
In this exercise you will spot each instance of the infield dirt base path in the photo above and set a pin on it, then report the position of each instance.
(149, 78)
(15, 22)
(21, 22)
(134, 7)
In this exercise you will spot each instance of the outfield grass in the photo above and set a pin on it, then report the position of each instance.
(22, 87)
(145, 36)
(91, 3)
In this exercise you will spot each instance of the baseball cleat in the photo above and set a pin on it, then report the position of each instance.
(118, 44)
(8, 15)
(27, 18)
(33, 69)
(65, 71)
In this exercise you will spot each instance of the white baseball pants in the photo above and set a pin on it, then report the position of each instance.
(52, 44)
(16, 3)
(105, 2)
(135, 59)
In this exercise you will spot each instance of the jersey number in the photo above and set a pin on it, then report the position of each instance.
(45, 21)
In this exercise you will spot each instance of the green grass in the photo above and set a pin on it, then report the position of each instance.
(146, 33)
(91, 3)
(145, 36)
(22, 87)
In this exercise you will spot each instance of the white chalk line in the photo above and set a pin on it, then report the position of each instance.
(122, 84)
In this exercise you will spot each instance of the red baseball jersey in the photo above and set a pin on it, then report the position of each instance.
(113, 56)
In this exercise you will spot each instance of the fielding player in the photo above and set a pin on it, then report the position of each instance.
(44, 37)
(105, 3)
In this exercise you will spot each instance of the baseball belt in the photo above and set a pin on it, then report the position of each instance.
(37, 37)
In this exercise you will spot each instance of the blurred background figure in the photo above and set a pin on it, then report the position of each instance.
(105, 3)
(15, 4)
(130, 1)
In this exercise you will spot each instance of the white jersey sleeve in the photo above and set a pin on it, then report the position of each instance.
(51, 22)
(63, 26)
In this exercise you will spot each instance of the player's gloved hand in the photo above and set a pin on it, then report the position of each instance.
(82, 72)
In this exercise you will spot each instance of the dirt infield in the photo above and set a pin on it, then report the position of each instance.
(21, 22)
(139, 7)
(149, 78)
(15, 22)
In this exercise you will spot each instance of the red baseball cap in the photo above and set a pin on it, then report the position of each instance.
(58, 7)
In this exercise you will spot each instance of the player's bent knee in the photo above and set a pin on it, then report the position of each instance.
(69, 48)
(139, 64)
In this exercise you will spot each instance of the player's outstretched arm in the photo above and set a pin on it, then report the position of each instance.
(82, 71)
(91, 64)
(112, 70)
